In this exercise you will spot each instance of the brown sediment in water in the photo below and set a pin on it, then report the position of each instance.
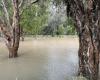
(41, 59)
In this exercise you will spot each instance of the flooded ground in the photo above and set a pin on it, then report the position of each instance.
(41, 59)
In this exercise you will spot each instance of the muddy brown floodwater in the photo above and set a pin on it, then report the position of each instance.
(41, 59)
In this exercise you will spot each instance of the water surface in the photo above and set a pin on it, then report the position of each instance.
(41, 59)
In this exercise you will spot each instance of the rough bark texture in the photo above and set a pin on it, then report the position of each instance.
(87, 18)
(89, 49)
(11, 31)
(13, 43)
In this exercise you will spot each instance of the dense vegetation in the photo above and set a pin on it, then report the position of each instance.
(38, 19)
(53, 17)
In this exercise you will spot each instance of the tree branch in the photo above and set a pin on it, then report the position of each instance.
(21, 3)
(28, 4)
(34, 1)
(4, 31)
(6, 14)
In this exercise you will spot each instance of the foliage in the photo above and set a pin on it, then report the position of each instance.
(79, 78)
(66, 28)
(69, 26)
(34, 19)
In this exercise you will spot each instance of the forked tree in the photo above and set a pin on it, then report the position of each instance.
(86, 16)
(10, 25)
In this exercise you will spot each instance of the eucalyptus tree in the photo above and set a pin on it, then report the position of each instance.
(10, 23)
(86, 16)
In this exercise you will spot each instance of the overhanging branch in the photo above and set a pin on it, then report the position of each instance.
(26, 6)
(34, 1)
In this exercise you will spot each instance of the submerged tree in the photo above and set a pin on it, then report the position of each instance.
(11, 30)
(86, 16)
(10, 23)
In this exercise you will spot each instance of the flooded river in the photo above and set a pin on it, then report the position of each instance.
(41, 59)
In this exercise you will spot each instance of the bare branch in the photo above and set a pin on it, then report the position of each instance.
(27, 5)
(32, 2)
(21, 3)
(6, 14)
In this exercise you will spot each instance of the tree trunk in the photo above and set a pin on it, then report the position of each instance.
(13, 53)
(21, 33)
(86, 16)
(14, 38)
(89, 48)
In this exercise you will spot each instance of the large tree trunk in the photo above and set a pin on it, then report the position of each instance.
(13, 51)
(89, 49)
(14, 38)
(86, 16)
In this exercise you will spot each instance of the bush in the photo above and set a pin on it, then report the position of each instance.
(79, 78)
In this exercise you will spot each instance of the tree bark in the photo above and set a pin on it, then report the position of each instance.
(89, 49)
(87, 22)
(14, 38)
(13, 52)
